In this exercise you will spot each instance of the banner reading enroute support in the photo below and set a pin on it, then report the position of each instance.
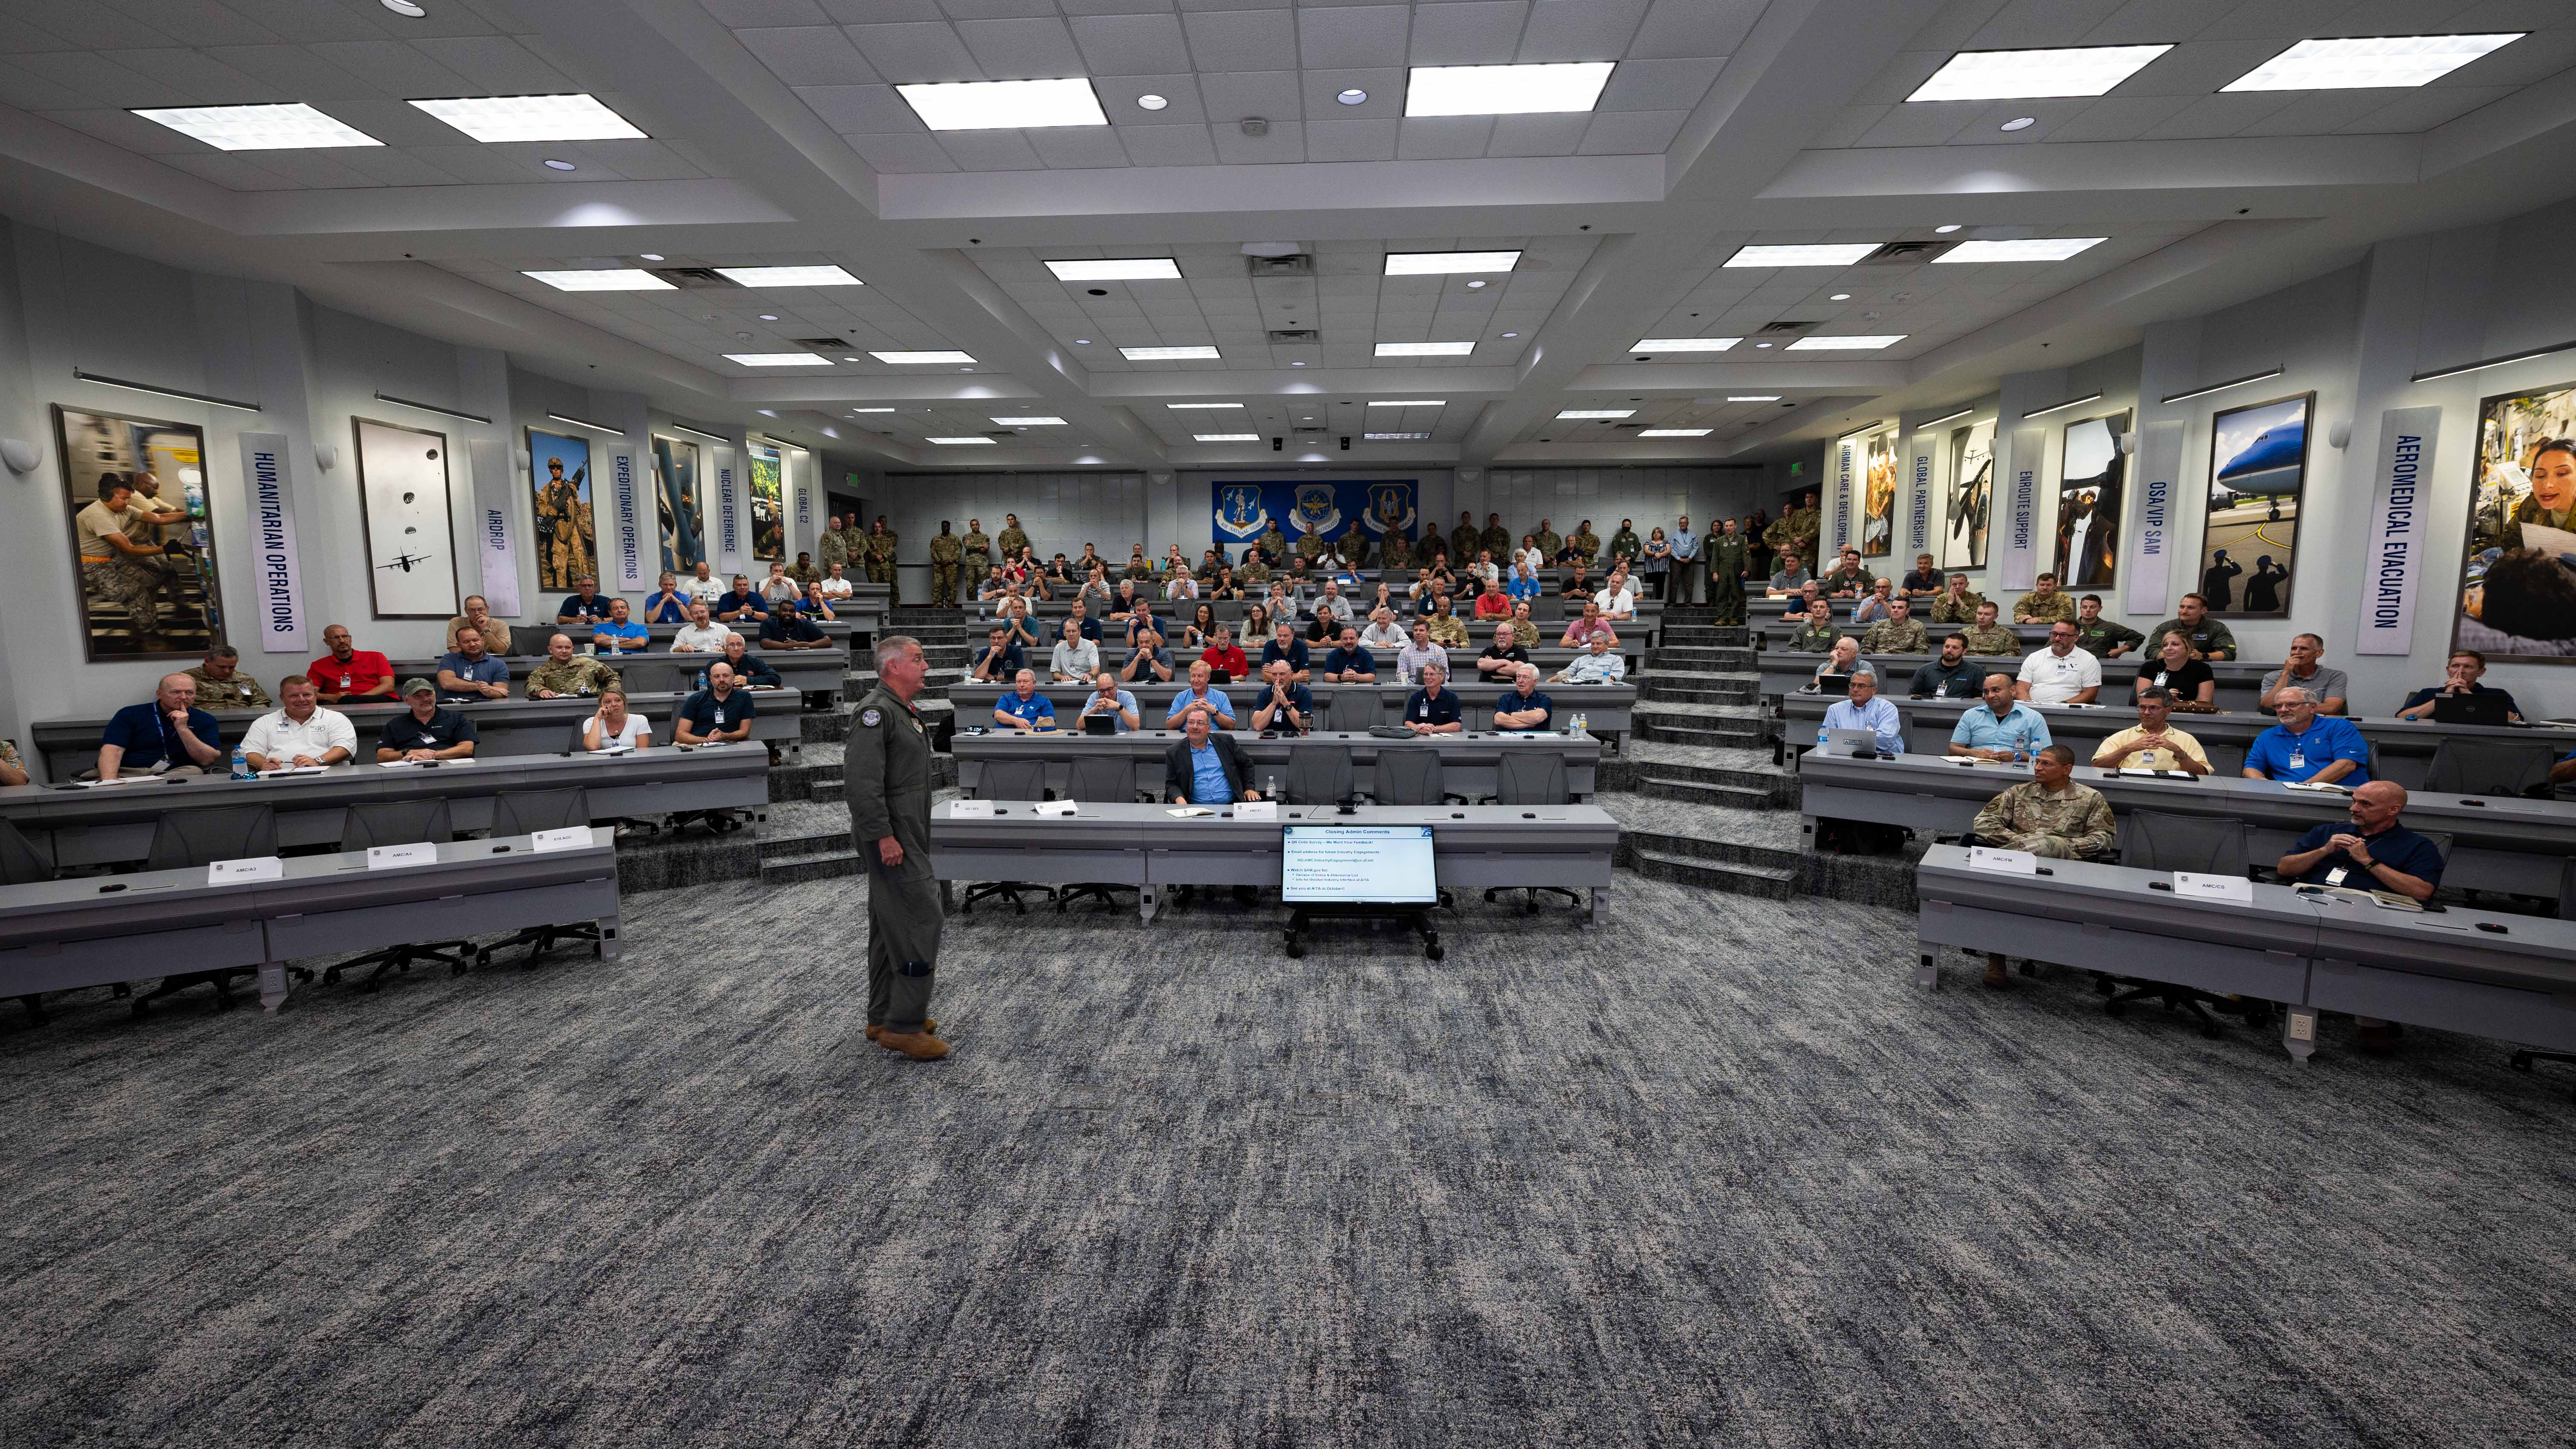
(630, 558)
(496, 539)
(269, 476)
(728, 512)
(1242, 511)
(2151, 538)
(2394, 560)
(2016, 562)
(1918, 499)
(1845, 454)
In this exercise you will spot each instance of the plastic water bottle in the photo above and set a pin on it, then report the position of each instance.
(1582, 725)
(241, 765)
(1820, 737)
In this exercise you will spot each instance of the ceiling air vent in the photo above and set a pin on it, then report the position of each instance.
(702, 278)
(1295, 334)
(1295, 264)
(1905, 254)
(1778, 329)
(822, 344)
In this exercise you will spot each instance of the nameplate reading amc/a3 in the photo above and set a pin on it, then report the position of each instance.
(2007, 862)
(243, 872)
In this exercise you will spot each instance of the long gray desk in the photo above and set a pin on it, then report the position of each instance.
(862, 613)
(1462, 657)
(1474, 847)
(2511, 977)
(2240, 685)
(57, 935)
(1767, 620)
(812, 672)
(531, 638)
(1467, 761)
(1607, 708)
(1548, 609)
(2405, 747)
(2512, 845)
(113, 824)
(510, 727)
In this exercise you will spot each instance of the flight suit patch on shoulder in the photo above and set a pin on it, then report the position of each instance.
(871, 717)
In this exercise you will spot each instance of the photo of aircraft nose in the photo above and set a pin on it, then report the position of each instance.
(2269, 465)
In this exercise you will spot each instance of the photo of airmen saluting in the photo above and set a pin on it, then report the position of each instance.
(135, 492)
(567, 541)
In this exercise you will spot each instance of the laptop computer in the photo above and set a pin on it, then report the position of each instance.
(1834, 684)
(1849, 743)
(1100, 724)
(2469, 709)
(1220, 676)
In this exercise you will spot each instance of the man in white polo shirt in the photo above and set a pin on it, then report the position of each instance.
(2060, 673)
(300, 731)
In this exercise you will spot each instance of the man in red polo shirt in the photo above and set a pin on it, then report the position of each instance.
(1223, 653)
(349, 674)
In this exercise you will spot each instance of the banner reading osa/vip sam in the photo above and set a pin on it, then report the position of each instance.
(1376, 508)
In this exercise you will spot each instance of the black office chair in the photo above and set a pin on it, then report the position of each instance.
(1410, 776)
(1101, 781)
(185, 838)
(1008, 780)
(525, 812)
(21, 863)
(1352, 708)
(399, 822)
(2489, 767)
(2155, 840)
(1321, 775)
(2522, 1060)
(1533, 777)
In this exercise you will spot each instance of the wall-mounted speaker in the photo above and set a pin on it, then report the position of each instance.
(21, 455)
(325, 457)
(2339, 435)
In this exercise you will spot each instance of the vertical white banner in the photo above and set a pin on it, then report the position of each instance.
(722, 464)
(2395, 561)
(496, 537)
(799, 468)
(2016, 556)
(2152, 518)
(631, 553)
(1844, 452)
(269, 476)
(1918, 500)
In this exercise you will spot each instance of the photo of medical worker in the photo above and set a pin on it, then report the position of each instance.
(2518, 588)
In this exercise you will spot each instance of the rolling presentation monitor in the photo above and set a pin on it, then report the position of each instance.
(1331, 865)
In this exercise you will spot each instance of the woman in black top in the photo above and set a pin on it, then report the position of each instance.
(2172, 667)
(1201, 630)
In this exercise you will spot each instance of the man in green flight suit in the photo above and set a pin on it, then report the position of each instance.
(1013, 538)
(886, 770)
(1624, 544)
(1727, 560)
(1464, 540)
(945, 550)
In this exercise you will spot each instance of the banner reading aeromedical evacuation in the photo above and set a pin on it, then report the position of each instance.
(1375, 508)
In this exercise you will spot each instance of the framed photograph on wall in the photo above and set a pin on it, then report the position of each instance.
(567, 536)
(1970, 496)
(677, 491)
(2517, 590)
(2258, 463)
(768, 503)
(2088, 502)
(402, 490)
(1878, 495)
(142, 539)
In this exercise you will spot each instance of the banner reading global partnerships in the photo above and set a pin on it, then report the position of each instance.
(2395, 561)
(1241, 512)
(1918, 500)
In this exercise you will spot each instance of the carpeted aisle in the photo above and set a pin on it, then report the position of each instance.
(1712, 1175)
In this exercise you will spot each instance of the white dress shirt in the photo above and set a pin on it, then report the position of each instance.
(279, 740)
(2055, 680)
(695, 588)
(1623, 602)
(709, 640)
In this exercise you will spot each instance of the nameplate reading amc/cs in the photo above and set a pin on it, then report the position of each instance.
(2233, 888)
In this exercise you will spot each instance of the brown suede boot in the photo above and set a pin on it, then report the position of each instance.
(1996, 975)
(921, 1046)
(928, 1028)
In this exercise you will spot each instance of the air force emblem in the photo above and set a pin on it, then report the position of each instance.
(1239, 512)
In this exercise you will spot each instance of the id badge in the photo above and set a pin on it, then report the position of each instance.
(2298, 760)
(2336, 876)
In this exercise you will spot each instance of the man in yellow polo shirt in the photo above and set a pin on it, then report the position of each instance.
(2153, 743)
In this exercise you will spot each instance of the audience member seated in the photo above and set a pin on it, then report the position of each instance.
(2466, 667)
(619, 634)
(584, 605)
(1148, 658)
(2173, 668)
(2376, 854)
(1578, 583)
(2326, 685)
(565, 674)
(750, 671)
(1023, 709)
(1923, 582)
(1899, 633)
(2049, 815)
(1418, 651)
(425, 731)
(2060, 673)
(778, 588)
(2002, 729)
(702, 634)
(741, 604)
(1524, 710)
(1864, 710)
(666, 604)
(1383, 632)
(1873, 606)
(788, 628)
(2100, 637)
(1432, 708)
(1205, 765)
(1285, 645)
(835, 584)
(1024, 631)
(1583, 628)
(1348, 661)
(1224, 656)
(347, 673)
(2308, 747)
(299, 732)
(717, 714)
(467, 673)
(222, 685)
(2209, 638)
(478, 614)
(1957, 604)
(815, 604)
(1844, 661)
(1950, 676)
(166, 734)
(1285, 707)
(1788, 577)
(1597, 665)
(1850, 578)
(1493, 603)
(2044, 604)
(994, 586)
(2153, 743)
(999, 661)
(1106, 698)
(701, 586)
(1502, 659)
(1618, 597)
(1523, 585)
(1818, 634)
(1203, 695)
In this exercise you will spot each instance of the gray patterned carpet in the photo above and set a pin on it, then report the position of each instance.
(1714, 1176)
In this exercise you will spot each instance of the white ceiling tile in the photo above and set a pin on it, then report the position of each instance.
(2199, 67)
(1428, 138)
(1351, 37)
(1021, 49)
(1986, 128)
(1929, 124)
(386, 166)
(855, 110)
(880, 12)
(1124, 45)
(474, 163)
(1180, 92)
(1631, 133)
(1563, 30)
(1168, 145)
(2149, 22)
(193, 22)
(2224, 115)
(1471, 32)
(2118, 118)
(318, 170)
(740, 13)
(132, 132)
(809, 55)
(497, 65)
(398, 69)
(2409, 112)
(28, 91)
(229, 171)
(1678, 28)
(1077, 148)
(998, 9)
(634, 160)
(1232, 97)
(80, 22)
(916, 52)
(2028, 24)
(103, 80)
(2319, 113)
(1285, 142)
(1116, 7)
(1242, 40)
(902, 153)
(203, 76)
(1361, 140)
(1658, 85)
(1537, 135)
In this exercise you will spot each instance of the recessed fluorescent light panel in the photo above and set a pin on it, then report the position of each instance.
(1126, 269)
(1199, 407)
(533, 118)
(872, 410)
(1504, 90)
(1395, 437)
(1168, 354)
(1030, 422)
(1582, 415)
(1845, 344)
(1004, 105)
(1753, 397)
(1227, 437)
(1822, 254)
(603, 279)
(2045, 249)
(1425, 349)
(921, 357)
(1673, 432)
(1426, 264)
(962, 442)
(294, 127)
(2361, 62)
(1406, 402)
(789, 276)
(1684, 344)
(778, 359)
(1996, 75)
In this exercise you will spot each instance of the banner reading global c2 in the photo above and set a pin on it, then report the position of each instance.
(1242, 512)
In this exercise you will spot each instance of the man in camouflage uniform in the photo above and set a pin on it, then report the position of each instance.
(945, 550)
(1310, 545)
(1795, 531)
(1397, 552)
(1548, 540)
(1728, 557)
(1496, 539)
(1897, 633)
(1255, 570)
(1958, 604)
(222, 685)
(565, 540)
(886, 774)
(2044, 604)
(1013, 538)
(834, 546)
(975, 550)
(566, 673)
(1274, 544)
(1464, 540)
(1986, 637)
(1817, 635)
(880, 544)
(2048, 815)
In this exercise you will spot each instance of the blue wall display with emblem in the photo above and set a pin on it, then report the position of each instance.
(1372, 507)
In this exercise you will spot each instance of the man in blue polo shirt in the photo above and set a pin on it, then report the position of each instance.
(621, 634)
(2002, 728)
(1024, 708)
(2375, 854)
(2307, 746)
(584, 605)
(468, 675)
(1286, 645)
(741, 602)
(166, 728)
(1524, 710)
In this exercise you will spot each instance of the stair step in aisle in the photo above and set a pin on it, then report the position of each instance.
(1705, 792)
(1768, 882)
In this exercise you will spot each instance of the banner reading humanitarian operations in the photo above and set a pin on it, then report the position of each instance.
(1373, 509)
(271, 480)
